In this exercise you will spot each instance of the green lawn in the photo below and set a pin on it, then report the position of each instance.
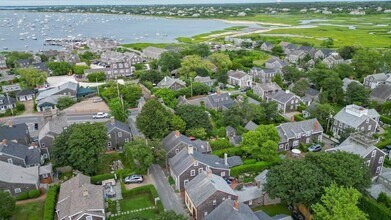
(206, 36)
(273, 210)
(141, 46)
(137, 202)
(30, 211)
(107, 160)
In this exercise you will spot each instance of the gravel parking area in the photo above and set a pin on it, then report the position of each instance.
(88, 106)
(147, 181)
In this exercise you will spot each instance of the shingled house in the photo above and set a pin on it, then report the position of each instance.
(171, 83)
(79, 199)
(232, 210)
(188, 163)
(294, 133)
(19, 154)
(205, 193)
(175, 142)
(239, 78)
(119, 133)
(18, 133)
(16, 179)
(287, 101)
(54, 125)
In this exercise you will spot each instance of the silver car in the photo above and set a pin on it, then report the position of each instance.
(134, 179)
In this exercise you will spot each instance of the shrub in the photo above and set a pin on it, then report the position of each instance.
(250, 168)
(153, 192)
(20, 107)
(34, 193)
(50, 202)
(383, 198)
(137, 191)
(374, 209)
(220, 143)
(298, 118)
(232, 151)
(65, 102)
(159, 205)
(22, 196)
(249, 161)
(97, 180)
(385, 119)
(221, 132)
(99, 76)
(251, 94)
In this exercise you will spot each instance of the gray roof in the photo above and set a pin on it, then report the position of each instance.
(312, 92)
(283, 96)
(53, 100)
(380, 186)
(168, 82)
(381, 92)
(262, 177)
(172, 140)
(78, 195)
(204, 185)
(269, 86)
(11, 173)
(117, 124)
(236, 74)
(262, 215)
(47, 169)
(30, 155)
(252, 101)
(346, 82)
(222, 99)
(205, 79)
(248, 193)
(55, 125)
(17, 131)
(57, 89)
(226, 211)
(4, 100)
(251, 126)
(25, 92)
(11, 88)
(379, 77)
(289, 130)
(354, 115)
(351, 145)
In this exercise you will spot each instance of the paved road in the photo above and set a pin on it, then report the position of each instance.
(38, 118)
(166, 193)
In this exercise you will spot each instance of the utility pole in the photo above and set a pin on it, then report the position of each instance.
(97, 86)
(191, 87)
(8, 98)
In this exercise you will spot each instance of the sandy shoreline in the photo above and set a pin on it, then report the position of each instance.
(251, 22)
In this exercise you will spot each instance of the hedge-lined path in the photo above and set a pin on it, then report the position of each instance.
(41, 198)
(134, 211)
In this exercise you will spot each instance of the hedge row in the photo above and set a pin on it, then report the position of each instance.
(251, 94)
(298, 118)
(232, 151)
(374, 209)
(220, 143)
(34, 193)
(50, 202)
(385, 119)
(250, 168)
(140, 190)
(97, 180)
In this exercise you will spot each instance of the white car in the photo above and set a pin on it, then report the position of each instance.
(100, 115)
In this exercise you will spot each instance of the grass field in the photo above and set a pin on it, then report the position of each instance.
(203, 37)
(273, 210)
(30, 211)
(141, 46)
(137, 202)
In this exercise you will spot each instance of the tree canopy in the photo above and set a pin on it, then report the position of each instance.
(140, 151)
(192, 65)
(7, 205)
(59, 68)
(117, 110)
(81, 146)
(241, 114)
(194, 117)
(169, 61)
(262, 143)
(366, 61)
(357, 94)
(32, 76)
(221, 61)
(339, 203)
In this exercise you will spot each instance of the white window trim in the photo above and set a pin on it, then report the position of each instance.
(120, 134)
(17, 190)
(192, 172)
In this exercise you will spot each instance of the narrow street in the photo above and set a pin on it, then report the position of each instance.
(166, 193)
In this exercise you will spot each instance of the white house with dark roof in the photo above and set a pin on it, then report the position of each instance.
(239, 78)
(79, 199)
(364, 146)
(53, 126)
(205, 193)
(293, 133)
(188, 163)
(355, 117)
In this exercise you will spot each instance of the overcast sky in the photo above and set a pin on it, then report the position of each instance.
(131, 2)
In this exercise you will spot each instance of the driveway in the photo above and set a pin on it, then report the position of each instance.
(169, 198)
(88, 106)
(147, 180)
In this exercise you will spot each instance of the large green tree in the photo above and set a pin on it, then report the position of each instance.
(366, 61)
(240, 114)
(296, 181)
(221, 61)
(332, 90)
(339, 203)
(59, 68)
(194, 117)
(154, 120)
(81, 146)
(358, 94)
(168, 96)
(7, 205)
(262, 143)
(32, 76)
(344, 70)
(118, 111)
(138, 150)
(12, 57)
(170, 60)
(291, 74)
(301, 87)
(201, 50)
(192, 65)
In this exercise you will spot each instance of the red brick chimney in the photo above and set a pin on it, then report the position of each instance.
(236, 205)
(316, 125)
(10, 123)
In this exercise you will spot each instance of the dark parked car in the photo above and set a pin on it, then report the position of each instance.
(296, 215)
(315, 148)
(134, 179)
